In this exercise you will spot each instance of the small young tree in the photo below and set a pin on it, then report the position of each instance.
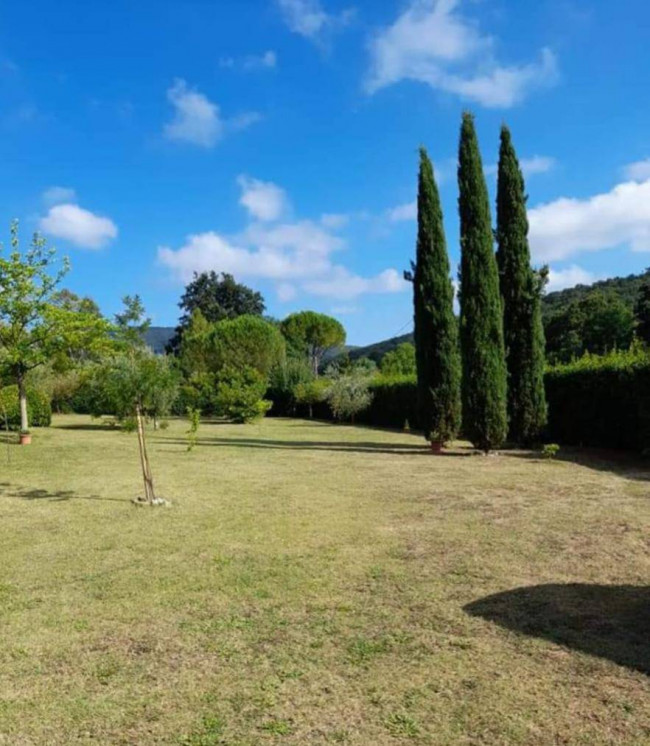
(310, 393)
(34, 326)
(139, 382)
(312, 334)
(484, 378)
(240, 394)
(349, 395)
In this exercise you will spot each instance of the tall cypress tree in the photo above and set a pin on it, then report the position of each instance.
(642, 312)
(523, 330)
(481, 321)
(436, 334)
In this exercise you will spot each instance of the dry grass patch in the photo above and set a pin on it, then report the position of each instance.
(317, 584)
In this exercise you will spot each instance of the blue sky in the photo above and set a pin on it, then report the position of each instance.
(277, 140)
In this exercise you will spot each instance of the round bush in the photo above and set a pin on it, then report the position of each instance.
(39, 409)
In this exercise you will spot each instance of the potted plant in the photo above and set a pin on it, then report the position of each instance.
(437, 446)
(25, 438)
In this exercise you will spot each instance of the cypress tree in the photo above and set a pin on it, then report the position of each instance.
(521, 287)
(436, 333)
(481, 322)
(642, 312)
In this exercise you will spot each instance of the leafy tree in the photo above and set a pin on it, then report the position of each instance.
(33, 328)
(193, 355)
(481, 324)
(312, 334)
(70, 301)
(435, 331)
(348, 395)
(312, 392)
(521, 295)
(246, 341)
(400, 361)
(642, 312)
(217, 297)
(597, 323)
(284, 380)
(240, 393)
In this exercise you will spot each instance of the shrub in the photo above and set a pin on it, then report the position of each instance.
(348, 395)
(239, 394)
(550, 450)
(38, 407)
(601, 401)
(311, 393)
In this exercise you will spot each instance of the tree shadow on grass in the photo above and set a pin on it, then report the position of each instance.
(609, 621)
(623, 463)
(402, 449)
(7, 490)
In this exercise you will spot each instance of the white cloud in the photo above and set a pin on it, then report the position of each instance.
(344, 310)
(55, 195)
(263, 199)
(309, 19)
(344, 285)
(295, 255)
(558, 279)
(537, 164)
(565, 227)
(637, 171)
(266, 61)
(198, 120)
(81, 227)
(334, 220)
(432, 43)
(407, 211)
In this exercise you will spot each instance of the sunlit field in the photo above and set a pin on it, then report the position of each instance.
(319, 584)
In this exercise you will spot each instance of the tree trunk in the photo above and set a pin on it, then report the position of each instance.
(22, 396)
(149, 494)
(311, 412)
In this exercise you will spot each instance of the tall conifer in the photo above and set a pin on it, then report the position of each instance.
(481, 320)
(436, 334)
(521, 295)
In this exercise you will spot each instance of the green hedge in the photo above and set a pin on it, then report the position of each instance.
(39, 409)
(601, 401)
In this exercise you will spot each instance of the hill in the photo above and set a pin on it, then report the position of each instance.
(157, 338)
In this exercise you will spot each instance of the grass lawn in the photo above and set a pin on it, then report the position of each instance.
(317, 584)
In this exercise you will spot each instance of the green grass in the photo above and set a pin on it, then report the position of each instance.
(316, 584)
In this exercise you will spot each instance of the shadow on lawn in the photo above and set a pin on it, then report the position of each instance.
(8, 490)
(623, 463)
(352, 446)
(609, 621)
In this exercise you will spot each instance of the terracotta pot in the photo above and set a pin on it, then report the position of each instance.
(25, 439)
(436, 446)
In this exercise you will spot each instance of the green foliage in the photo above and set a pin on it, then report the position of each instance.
(642, 312)
(484, 377)
(348, 395)
(597, 323)
(400, 361)
(245, 342)
(550, 450)
(239, 395)
(194, 417)
(284, 380)
(35, 326)
(312, 334)
(310, 393)
(217, 297)
(435, 329)
(38, 408)
(601, 401)
(521, 295)
(128, 380)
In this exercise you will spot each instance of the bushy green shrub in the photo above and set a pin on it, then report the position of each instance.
(601, 401)
(348, 396)
(240, 394)
(38, 408)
